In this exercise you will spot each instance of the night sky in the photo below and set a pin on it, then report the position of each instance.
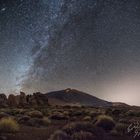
(90, 45)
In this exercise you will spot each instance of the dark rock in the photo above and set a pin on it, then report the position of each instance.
(22, 99)
(31, 100)
(12, 100)
(3, 100)
(40, 98)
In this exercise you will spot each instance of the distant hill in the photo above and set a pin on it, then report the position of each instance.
(75, 97)
(120, 104)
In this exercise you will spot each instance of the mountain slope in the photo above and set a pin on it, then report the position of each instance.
(75, 97)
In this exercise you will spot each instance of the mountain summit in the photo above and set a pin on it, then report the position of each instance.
(75, 97)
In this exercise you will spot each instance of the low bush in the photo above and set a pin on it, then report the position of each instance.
(8, 125)
(46, 121)
(77, 127)
(121, 128)
(87, 118)
(59, 135)
(35, 114)
(58, 116)
(82, 135)
(105, 122)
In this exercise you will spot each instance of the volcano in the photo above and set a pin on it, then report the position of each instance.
(75, 97)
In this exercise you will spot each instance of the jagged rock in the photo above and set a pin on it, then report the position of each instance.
(40, 98)
(31, 100)
(3, 100)
(12, 101)
(37, 99)
(22, 99)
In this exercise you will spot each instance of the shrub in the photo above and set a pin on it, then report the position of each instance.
(59, 135)
(114, 133)
(105, 122)
(94, 114)
(23, 119)
(82, 135)
(58, 116)
(8, 125)
(121, 128)
(116, 112)
(77, 127)
(87, 118)
(46, 121)
(131, 113)
(35, 122)
(35, 114)
(38, 122)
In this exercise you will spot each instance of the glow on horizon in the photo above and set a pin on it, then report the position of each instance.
(126, 90)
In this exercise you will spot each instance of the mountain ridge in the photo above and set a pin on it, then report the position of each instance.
(75, 97)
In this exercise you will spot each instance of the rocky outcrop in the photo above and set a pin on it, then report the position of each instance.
(40, 98)
(12, 100)
(31, 100)
(37, 99)
(3, 100)
(23, 100)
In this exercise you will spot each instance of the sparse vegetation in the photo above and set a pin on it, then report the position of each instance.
(78, 126)
(59, 116)
(46, 121)
(92, 124)
(87, 118)
(82, 135)
(105, 122)
(8, 125)
(60, 135)
(35, 114)
(121, 128)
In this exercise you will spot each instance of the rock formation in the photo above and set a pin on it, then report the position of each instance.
(23, 100)
(40, 98)
(3, 100)
(12, 101)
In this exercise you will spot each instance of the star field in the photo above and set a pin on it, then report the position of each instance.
(90, 45)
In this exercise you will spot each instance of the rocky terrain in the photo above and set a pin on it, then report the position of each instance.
(75, 97)
(33, 117)
(23, 100)
(62, 97)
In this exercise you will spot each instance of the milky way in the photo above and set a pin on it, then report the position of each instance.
(90, 45)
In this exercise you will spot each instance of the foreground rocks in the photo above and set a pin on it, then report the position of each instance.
(23, 100)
